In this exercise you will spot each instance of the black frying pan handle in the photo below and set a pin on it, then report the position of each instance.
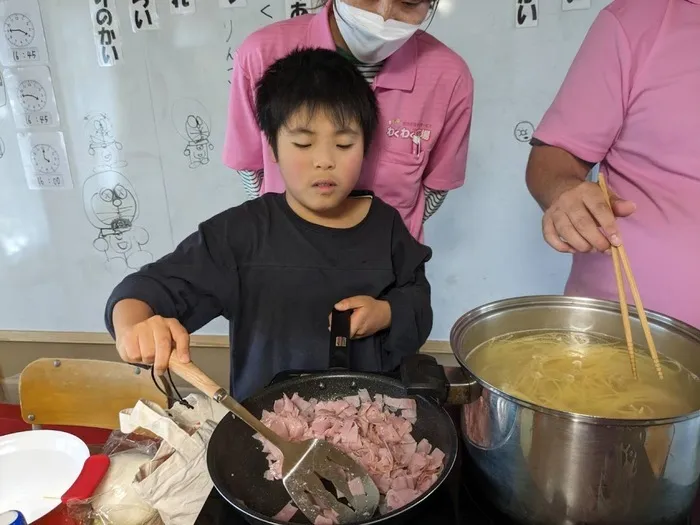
(339, 348)
(340, 339)
(422, 375)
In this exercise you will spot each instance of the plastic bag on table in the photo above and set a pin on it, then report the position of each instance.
(115, 501)
(176, 480)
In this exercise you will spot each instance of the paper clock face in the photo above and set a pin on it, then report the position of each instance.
(30, 90)
(19, 30)
(31, 95)
(45, 158)
(22, 42)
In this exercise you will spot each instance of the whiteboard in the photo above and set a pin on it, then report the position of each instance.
(147, 134)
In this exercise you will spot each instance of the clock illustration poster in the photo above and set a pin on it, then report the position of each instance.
(45, 160)
(22, 41)
(19, 30)
(31, 94)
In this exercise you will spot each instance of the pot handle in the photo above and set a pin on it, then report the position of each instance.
(421, 375)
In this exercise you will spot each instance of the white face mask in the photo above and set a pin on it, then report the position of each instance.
(369, 37)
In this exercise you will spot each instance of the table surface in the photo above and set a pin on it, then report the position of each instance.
(11, 422)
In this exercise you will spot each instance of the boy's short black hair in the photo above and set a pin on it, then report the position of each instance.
(314, 79)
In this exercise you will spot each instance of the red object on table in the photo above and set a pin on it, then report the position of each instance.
(89, 479)
(11, 422)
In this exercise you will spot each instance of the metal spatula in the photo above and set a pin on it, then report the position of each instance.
(305, 463)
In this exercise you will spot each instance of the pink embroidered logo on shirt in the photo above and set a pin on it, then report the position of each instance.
(408, 130)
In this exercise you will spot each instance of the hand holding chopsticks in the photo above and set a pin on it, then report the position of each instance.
(619, 256)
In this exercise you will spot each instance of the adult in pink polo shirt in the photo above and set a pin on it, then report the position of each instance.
(630, 101)
(424, 90)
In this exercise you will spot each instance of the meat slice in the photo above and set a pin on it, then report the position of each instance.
(400, 404)
(417, 464)
(423, 447)
(364, 395)
(287, 513)
(395, 499)
(356, 487)
(353, 400)
(374, 430)
(410, 415)
(436, 459)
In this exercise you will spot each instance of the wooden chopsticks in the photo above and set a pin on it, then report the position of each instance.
(619, 256)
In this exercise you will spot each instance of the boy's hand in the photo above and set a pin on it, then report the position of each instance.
(152, 341)
(369, 315)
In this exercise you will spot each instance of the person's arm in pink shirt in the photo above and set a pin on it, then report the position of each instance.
(576, 132)
(252, 182)
(447, 164)
(433, 200)
(243, 145)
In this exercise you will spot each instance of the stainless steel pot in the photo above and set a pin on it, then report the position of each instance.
(549, 467)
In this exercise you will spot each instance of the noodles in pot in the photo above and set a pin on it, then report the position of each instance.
(584, 374)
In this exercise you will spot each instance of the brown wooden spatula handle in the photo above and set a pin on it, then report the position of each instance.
(194, 376)
(201, 381)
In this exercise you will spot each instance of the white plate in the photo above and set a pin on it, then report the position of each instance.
(36, 468)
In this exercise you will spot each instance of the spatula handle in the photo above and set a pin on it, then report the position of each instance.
(201, 381)
(194, 376)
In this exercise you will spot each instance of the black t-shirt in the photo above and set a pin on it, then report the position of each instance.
(276, 277)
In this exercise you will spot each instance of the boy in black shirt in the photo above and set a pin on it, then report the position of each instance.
(276, 266)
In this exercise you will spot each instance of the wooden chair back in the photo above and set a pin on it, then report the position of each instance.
(83, 392)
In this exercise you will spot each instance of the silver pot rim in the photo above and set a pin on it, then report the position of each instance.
(654, 317)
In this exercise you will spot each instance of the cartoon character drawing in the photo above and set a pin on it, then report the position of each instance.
(103, 145)
(195, 131)
(523, 131)
(198, 144)
(112, 207)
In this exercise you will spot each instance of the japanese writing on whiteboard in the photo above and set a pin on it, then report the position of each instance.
(293, 8)
(107, 35)
(233, 3)
(143, 15)
(527, 13)
(229, 55)
(573, 5)
(182, 7)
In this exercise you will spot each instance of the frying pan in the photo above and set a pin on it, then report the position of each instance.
(236, 462)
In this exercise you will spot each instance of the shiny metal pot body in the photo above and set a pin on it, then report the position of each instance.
(542, 466)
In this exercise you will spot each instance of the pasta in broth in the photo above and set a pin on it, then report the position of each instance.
(584, 374)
